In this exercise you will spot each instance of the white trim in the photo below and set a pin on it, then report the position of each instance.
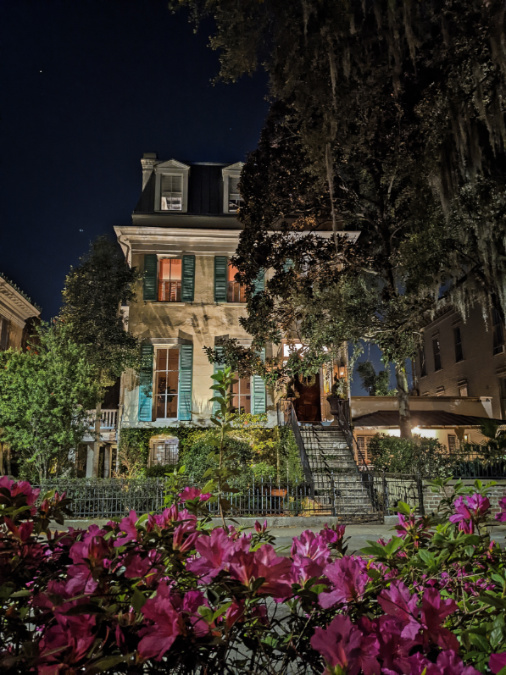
(231, 171)
(171, 168)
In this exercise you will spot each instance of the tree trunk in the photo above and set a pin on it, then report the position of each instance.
(96, 444)
(403, 399)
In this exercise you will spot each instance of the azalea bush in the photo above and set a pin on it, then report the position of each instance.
(170, 593)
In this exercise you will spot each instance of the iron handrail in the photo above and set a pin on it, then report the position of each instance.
(294, 423)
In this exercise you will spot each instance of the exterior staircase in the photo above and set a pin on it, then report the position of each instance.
(339, 486)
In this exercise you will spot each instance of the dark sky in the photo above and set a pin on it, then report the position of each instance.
(88, 86)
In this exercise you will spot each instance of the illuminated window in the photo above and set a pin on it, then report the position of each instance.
(236, 292)
(171, 192)
(166, 382)
(169, 280)
(452, 443)
(241, 394)
(463, 389)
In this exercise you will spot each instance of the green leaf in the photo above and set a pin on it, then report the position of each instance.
(138, 599)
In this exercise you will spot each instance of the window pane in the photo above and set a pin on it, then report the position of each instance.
(161, 359)
(174, 359)
(171, 406)
(176, 267)
(232, 271)
(160, 407)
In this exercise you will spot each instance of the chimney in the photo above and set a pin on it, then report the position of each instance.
(148, 161)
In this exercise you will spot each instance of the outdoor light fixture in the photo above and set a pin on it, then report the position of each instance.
(341, 371)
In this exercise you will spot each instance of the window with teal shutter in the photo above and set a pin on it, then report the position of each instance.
(185, 382)
(146, 384)
(287, 265)
(220, 278)
(259, 282)
(150, 274)
(217, 367)
(188, 290)
(258, 391)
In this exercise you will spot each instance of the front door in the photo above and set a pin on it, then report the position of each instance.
(308, 403)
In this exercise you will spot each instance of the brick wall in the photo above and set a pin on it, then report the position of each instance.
(432, 500)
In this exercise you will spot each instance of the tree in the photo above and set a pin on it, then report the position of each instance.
(398, 107)
(93, 294)
(45, 394)
(376, 384)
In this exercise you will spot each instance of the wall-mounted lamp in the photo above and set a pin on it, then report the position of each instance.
(341, 371)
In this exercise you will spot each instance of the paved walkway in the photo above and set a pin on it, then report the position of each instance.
(359, 533)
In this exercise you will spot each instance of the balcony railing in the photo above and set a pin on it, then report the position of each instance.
(108, 419)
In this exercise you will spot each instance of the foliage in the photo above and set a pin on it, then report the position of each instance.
(134, 442)
(93, 294)
(425, 456)
(168, 593)
(376, 384)
(387, 119)
(45, 394)
(199, 457)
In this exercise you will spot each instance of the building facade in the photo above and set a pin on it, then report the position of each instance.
(464, 358)
(183, 234)
(17, 316)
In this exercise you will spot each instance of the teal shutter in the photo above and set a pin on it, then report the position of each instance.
(146, 384)
(259, 282)
(287, 265)
(217, 368)
(258, 403)
(188, 288)
(184, 412)
(220, 278)
(150, 274)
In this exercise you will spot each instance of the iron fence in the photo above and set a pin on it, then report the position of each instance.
(115, 497)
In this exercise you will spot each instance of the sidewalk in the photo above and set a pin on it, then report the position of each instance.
(359, 533)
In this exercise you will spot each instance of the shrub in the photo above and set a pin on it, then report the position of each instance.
(425, 456)
(168, 593)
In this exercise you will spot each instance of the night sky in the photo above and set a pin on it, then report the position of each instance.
(88, 86)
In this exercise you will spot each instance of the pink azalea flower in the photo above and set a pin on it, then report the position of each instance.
(260, 529)
(501, 517)
(343, 644)
(416, 528)
(246, 566)
(213, 552)
(185, 537)
(127, 525)
(65, 643)
(311, 545)
(398, 602)
(468, 511)
(434, 612)
(333, 535)
(348, 578)
(172, 615)
(497, 661)
(21, 488)
(191, 493)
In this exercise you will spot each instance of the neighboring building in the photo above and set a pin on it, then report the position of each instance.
(464, 358)
(183, 234)
(18, 318)
(18, 315)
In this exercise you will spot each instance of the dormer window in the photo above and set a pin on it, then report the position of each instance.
(172, 193)
(231, 196)
(171, 187)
